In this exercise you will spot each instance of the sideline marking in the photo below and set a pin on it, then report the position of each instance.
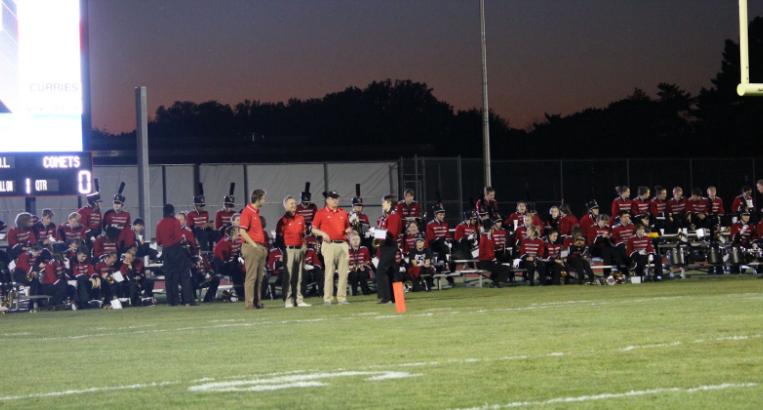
(608, 396)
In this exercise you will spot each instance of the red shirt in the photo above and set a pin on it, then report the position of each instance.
(437, 230)
(27, 262)
(740, 201)
(168, 232)
(116, 219)
(196, 218)
(393, 224)
(621, 233)
(463, 231)
(657, 207)
(621, 204)
(334, 223)
(637, 244)
(190, 239)
(104, 269)
(640, 207)
(532, 247)
(487, 251)
(360, 257)
(696, 207)
(127, 239)
(311, 258)
(84, 268)
(307, 211)
(226, 250)
(23, 237)
(716, 205)
(499, 240)
(66, 233)
(53, 272)
(742, 233)
(587, 222)
(677, 206)
(566, 224)
(102, 246)
(222, 219)
(137, 269)
(42, 232)
(408, 211)
(91, 218)
(553, 249)
(595, 233)
(251, 223)
(275, 260)
(292, 228)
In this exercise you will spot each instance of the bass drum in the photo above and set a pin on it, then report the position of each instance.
(715, 256)
(677, 256)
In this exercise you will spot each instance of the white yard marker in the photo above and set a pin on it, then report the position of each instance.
(610, 396)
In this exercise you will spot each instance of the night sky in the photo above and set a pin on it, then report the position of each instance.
(543, 56)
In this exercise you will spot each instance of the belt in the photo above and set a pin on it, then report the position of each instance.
(338, 242)
(294, 247)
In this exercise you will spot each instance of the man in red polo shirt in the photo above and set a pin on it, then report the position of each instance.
(333, 224)
(253, 249)
(290, 237)
(177, 267)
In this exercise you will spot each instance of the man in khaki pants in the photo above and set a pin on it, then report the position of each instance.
(333, 224)
(254, 250)
(290, 237)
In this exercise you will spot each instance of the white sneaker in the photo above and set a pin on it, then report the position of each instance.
(303, 304)
(289, 304)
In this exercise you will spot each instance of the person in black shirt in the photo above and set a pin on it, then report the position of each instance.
(421, 259)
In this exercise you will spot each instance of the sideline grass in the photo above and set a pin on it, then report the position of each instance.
(465, 347)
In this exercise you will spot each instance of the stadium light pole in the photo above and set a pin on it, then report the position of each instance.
(485, 111)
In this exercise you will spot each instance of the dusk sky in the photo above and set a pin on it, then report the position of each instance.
(554, 56)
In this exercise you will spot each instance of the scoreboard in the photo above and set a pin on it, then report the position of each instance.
(46, 174)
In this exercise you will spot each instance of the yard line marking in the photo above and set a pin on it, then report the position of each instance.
(609, 396)
(365, 314)
(15, 334)
(629, 348)
(90, 390)
(294, 381)
(462, 361)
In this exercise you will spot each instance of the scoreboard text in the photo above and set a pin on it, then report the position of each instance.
(46, 174)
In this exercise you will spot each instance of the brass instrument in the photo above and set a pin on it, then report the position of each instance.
(110, 279)
(7, 300)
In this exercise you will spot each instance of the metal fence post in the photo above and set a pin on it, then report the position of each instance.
(628, 172)
(561, 179)
(246, 184)
(424, 180)
(460, 187)
(326, 176)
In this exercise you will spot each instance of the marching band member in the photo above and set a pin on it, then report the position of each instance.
(358, 220)
(555, 264)
(486, 259)
(518, 215)
(28, 267)
(500, 240)
(411, 235)
(697, 207)
(589, 219)
(488, 203)
(623, 202)
(44, 229)
(109, 287)
(601, 242)
(577, 255)
(438, 233)
(91, 214)
(197, 221)
(554, 219)
(226, 260)
(177, 270)
(106, 243)
(54, 280)
(360, 266)
(189, 242)
(677, 209)
(132, 270)
(87, 278)
(313, 268)
(465, 235)
(223, 216)
(73, 229)
(716, 203)
(531, 251)
(117, 216)
(640, 207)
(640, 251)
(621, 233)
(203, 276)
(388, 269)
(521, 232)
(21, 237)
(568, 220)
(133, 239)
(290, 236)
(409, 210)
(306, 208)
(743, 201)
(743, 232)
(658, 208)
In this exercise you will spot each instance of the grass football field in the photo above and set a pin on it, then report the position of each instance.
(691, 344)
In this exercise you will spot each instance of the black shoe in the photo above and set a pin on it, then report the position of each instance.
(385, 302)
(194, 303)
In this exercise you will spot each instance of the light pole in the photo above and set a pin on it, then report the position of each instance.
(485, 111)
